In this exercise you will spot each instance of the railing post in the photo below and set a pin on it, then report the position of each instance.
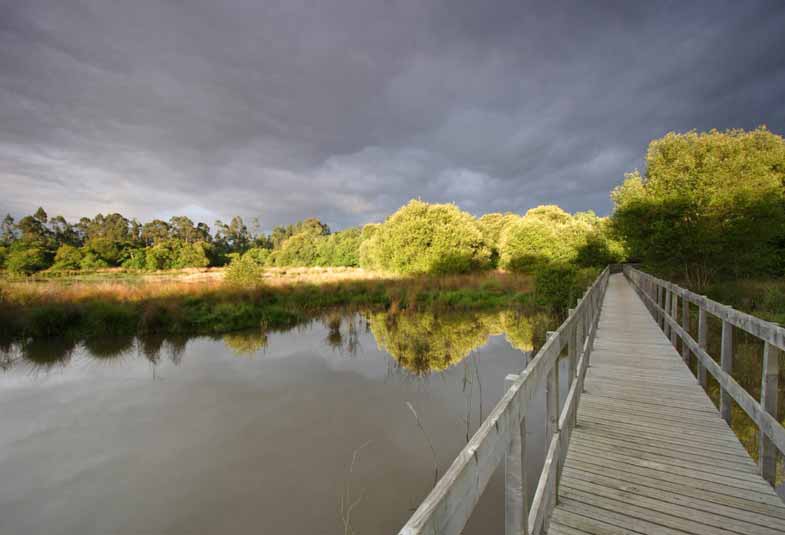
(674, 314)
(703, 336)
(572, 348)
(572, 352)
(726, 362)
(516, 502)
(552, 401)
(665, 325)
(660, 303)
(768, 401)
(685, 323)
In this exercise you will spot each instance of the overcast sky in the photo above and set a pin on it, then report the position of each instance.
(344, 110)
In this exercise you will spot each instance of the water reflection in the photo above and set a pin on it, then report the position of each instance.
(420, 343)
(322, 414)
(426, 342)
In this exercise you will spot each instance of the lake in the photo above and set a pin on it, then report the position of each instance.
(336, 427)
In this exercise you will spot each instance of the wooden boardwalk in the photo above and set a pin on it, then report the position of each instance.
(650, 452)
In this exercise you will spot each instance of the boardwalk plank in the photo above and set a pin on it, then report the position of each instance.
(650, 453)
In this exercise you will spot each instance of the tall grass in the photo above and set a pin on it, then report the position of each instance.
(84, 309)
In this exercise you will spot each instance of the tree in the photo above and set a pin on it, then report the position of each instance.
(545, 236)
(67, 257)
(492, 226)
(26, 258)
(341, 249)
(103, 252)
(155, 232)
(429, 238)
(8, 232)
(704, 195)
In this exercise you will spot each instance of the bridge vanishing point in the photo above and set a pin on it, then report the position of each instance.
(636, 445)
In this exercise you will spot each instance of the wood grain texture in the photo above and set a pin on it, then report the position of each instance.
(651, 453)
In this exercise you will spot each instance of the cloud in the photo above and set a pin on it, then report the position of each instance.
(345, 110)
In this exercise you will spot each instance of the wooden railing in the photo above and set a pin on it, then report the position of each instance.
(448, 507)
(663, 297)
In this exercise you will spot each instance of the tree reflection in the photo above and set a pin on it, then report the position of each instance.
(246, 342)
(425, 342)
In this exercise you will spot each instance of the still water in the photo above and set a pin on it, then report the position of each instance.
(336, 427)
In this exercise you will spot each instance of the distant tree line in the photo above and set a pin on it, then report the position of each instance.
(707, 205)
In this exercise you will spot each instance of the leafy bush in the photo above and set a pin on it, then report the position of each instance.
(247, 268)
(3, 255)
(106, 251)
(544, 236)
(160, 256)
(428, 238)
(67, 257)
(341, 249)
(492, 226)
(135, 258)
(547, 236)
(91, 261)
(367, 250)
(191, 254)
(559, 287)
(710, 205)
(25, 260)
(299, 250)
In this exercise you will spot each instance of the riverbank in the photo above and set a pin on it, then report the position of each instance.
(121, 306)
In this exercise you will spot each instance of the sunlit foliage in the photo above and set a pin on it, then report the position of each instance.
(708, 205)
(429, 238)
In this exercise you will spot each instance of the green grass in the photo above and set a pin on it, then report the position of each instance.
(89, 310)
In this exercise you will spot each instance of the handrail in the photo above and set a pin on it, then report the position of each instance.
(449, 505)
(661, 297)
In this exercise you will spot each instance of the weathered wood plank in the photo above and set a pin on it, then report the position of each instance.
(716, 504)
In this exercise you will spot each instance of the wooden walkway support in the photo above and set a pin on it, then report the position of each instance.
(637, 446)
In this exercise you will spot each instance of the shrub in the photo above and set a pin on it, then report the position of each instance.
(91, 261)
(559, 287)
(247, 268)
(191, 254)
(429, 238)
(299, 250)
(106, 252)
(492, 226)
(544, 236)
(3, 255)
(341, 249)
(367, 251)
(67, 257)
(160, 256)
(25, 260)
(135, 259)
(705, 195)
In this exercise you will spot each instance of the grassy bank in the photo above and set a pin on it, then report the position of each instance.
(80, 309)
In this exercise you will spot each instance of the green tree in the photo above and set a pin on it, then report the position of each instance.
(106, 251)
(67, 257)
(429, 238)
(709, 205)
(341, 249)
(155, 232)
(545, 236)
(492, 225)
(26, 258)
(248, 268)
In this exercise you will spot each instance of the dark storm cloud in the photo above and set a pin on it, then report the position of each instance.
(345, 110)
